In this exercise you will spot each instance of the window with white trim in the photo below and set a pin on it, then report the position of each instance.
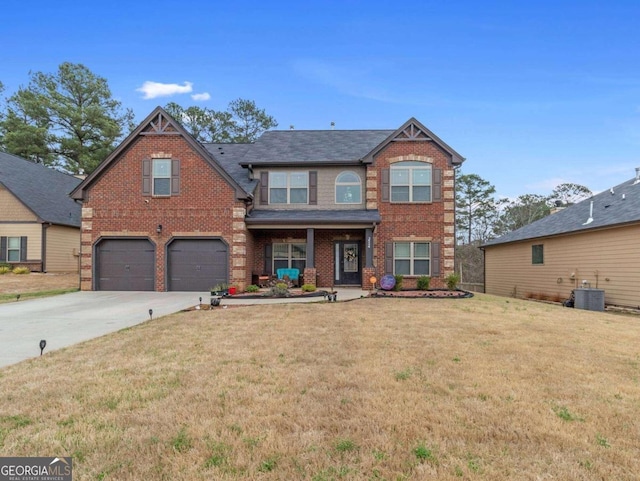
(288, 187)
(412, 258)
(348, 188)
(410, 181)
(161, 177)
(13, 249)
(289, 256)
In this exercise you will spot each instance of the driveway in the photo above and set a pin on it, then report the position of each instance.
(71, 318)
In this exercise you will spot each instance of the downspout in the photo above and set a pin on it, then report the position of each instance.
(43, 247)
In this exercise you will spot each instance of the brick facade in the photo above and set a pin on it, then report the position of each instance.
(210, 204)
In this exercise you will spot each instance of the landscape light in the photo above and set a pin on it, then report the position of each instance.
(43, 344)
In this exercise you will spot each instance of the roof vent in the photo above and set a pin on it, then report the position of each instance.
(637, 181)
(333, 125)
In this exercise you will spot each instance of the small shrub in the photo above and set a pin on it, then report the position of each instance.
(281, 289)
(252, 288)
(308, 288)
(423, 283)
(21, 270)
(422, 453)
(452, 281)
(399, 279)
(345, 445)
(4, 269)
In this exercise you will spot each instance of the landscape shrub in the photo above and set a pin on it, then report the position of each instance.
(423, 283)
(452, 281)
(21, 270)
(399, 279)
(252, 288)
(308, 288)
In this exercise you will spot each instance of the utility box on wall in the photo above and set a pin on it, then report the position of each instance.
(589, 299)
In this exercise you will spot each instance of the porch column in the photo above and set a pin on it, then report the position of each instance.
(368, 258)
(310, 266)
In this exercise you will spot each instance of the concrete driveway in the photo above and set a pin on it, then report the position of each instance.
(71, 318)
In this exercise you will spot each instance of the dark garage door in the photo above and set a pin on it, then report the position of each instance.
(125, 265)
(197, 264)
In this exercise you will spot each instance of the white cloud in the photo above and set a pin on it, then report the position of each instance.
(201, 97)
(151, 90)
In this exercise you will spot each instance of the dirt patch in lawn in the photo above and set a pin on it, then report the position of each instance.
(37, 282)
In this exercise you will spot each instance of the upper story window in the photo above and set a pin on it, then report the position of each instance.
(411, 258)
(348, 188)
(288, 187)
(410, 182)
(161, 177)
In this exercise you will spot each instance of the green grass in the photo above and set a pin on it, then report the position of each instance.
(4, 298)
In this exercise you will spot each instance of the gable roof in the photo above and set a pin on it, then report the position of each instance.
(161, 123)
(230, 156)
(42, 190)
(414, 131)
(284, 147)
(611, 208)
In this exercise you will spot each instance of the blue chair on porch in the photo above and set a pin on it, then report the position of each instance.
(292, 274)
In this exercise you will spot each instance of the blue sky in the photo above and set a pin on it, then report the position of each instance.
(533, 94)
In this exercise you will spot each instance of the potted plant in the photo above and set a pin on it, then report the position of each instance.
(221, 289)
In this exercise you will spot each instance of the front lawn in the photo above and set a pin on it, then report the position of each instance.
(484, 388)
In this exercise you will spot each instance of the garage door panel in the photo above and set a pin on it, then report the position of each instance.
(197, 264)
(125, 265)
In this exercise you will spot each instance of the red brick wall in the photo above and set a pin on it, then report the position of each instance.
(404, 221)
(115, 205)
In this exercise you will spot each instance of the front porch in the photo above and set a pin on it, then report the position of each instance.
(327, 255)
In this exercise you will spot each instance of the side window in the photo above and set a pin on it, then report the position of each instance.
(13, 249)
(410, 182)
(348, 188)
(537, 254)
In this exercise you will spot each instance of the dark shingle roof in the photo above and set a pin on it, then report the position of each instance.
(609, 209)
(230, 156)
(305, 217)
(293, 146)
(43, 190)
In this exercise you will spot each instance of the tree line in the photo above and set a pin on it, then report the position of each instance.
(69, 120)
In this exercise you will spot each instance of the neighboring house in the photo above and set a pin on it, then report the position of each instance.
(164, 212)
(595, 241)
(39, 222)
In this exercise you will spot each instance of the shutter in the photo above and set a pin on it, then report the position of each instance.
(3, 249)
(388, 257)
(175, 177)
(146, 177)
(437, 185)
(313, 187)
(435, 259)
(267, 259)
(23, 249)
(264, 188)
(385, 185)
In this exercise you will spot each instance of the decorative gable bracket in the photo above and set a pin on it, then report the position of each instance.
(412, 132)
(160, 125)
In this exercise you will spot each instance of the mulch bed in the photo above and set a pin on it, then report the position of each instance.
(431, 293)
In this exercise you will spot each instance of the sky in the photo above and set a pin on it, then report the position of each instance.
(532, 94)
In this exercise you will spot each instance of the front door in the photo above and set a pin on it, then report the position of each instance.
(347, 270)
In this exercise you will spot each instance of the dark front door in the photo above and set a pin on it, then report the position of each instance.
(348, 263)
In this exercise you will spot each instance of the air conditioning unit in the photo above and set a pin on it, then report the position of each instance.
(589, 299)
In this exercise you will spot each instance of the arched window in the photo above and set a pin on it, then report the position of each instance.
(348, 188)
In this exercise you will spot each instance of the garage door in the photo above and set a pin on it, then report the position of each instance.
(197, 264)
(125, 265)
